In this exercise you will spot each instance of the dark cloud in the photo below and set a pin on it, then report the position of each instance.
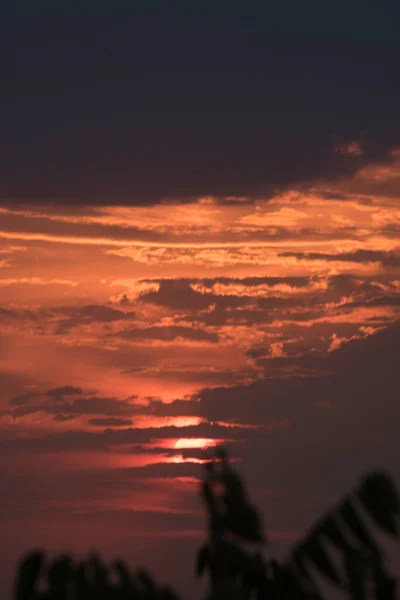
(175, 408)
(178, 294)
(387, 259)
(66, 390)
(169, 333)
(137, 107)
(62, 319)
(5, 313)
(242, 307)
(186, 453)
(382, 300)
(77, 441)
(218, 302)
(300, 281)
(203, 376)
(70, 317)
(77, 408)
(110, 422)
(23, 400)
(353, 430)
(44, 224)
(347, 385)
(164, 470)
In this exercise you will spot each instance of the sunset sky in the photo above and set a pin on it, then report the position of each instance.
(199, 243)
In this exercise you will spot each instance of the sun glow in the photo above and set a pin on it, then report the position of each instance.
(195, 443)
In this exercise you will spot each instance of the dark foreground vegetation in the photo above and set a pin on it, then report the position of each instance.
(340, 547)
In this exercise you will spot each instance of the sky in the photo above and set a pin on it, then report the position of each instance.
(199, 244)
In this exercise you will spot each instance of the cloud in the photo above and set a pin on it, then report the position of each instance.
(65, 390)
(177, 295)
(382, 300)
(354, 148)
(35, 281)
(110, 422)
(24, 399)
(83, 440)
(199, 294)
(62, 320)
(70, 317)
(12, 249)
(229, 254)
(188, 105)
(58, 407)
(299, 397)
(167, 334)
(387, 259)
(184, 453)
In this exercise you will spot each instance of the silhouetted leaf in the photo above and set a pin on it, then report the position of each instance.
(266, 590)
(228, 557)
(234, 488)
(146, 580)
(81, 582)
(125, 580)
(385, 586)
(314, 549)
(99, 571)
(356, 526)
(306, 582)
(167, 593)
(378, 495)
(355, 571)
(254, 571)
(215, 521)
(386, 488)
(122, 570)
(28, 575)
(59, 575)
(331, 530)
(202, 560)
(245, 522)
(288, 585)
(298, 560)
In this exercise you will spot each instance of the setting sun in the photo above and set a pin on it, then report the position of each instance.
(195, 443)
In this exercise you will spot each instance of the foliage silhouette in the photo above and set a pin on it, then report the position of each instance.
(234, 571)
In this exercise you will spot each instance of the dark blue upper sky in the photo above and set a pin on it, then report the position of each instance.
(138, 104)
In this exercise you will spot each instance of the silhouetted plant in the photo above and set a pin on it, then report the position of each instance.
(343, 527)
(235, 572)
(362, 558)
(86, 580)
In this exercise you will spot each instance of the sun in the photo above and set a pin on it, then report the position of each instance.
(195, 443)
